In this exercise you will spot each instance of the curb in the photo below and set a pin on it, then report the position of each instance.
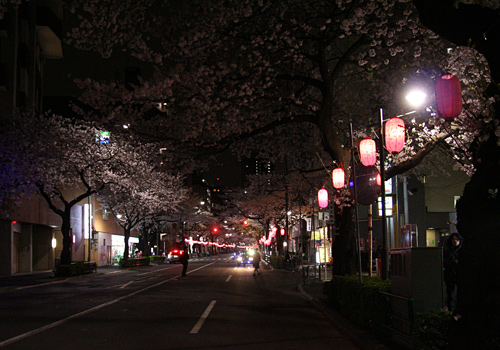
(358, 337)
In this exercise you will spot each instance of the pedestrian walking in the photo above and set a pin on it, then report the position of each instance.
(184, 258)
(450, 261)
(256, 263)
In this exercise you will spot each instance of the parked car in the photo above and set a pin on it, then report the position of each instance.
(175, 255)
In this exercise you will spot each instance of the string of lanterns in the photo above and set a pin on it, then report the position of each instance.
(449, 106)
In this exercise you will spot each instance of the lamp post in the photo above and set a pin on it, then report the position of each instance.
(385, 263)
(449, 106)
(358, 238)
(323, 203)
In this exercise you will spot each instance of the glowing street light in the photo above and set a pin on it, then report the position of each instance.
(416, 98)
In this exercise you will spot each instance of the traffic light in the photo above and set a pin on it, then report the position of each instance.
(215, 229)
(245, 222)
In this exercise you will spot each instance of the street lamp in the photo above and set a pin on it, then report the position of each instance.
(416, 98)
(449, 104)
(392, 137)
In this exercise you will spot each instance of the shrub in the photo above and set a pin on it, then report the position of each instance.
(363, 304)
(76, 268)
(80, 267)
(131, 262)
(278, 261)
(65, 270)
(157, 259)
(430, 330)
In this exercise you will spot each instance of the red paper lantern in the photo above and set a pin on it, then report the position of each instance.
(338, 178)
(395, 135)
(368, 152)
(323, 198)
(448, 96)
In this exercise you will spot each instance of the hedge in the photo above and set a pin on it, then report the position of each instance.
(278, 261)
(363, 304)
(131, 262)
(76, 268)
(430, 330)
(157, 259)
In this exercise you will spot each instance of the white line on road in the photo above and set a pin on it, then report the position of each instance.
(67, 319)
(42, 284)
(229, 277)
(150, 272)
(203, 317)
(126, 284)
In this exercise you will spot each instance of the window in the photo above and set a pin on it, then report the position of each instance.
(105, 215)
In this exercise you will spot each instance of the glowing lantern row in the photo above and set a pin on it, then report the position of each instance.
(395, 135)
(338, 178)
(323, 198)
(368, 152)
(448, 96)
(272, 233)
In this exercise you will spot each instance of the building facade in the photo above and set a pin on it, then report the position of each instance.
(30, 233)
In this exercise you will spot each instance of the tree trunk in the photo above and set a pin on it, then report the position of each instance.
(478, 212)
(279, 240)
(126, 236)
(67, 237)
(344, 247)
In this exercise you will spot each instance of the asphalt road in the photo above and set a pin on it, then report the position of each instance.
(216, 306)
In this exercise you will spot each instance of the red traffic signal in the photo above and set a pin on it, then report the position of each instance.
(215, 230)
(245, 222)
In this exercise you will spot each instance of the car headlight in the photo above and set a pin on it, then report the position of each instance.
(250, 258)
(239, 258)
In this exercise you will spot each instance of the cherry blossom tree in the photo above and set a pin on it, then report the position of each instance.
(266, 202)
(280, 78)
(137, 191)
(275, 76)
(59, 159)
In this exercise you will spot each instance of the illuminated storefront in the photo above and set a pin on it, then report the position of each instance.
(118, 244)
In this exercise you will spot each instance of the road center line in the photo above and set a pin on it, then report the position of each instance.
(203, 317)
(126, 284)
(67, 319)
(228, 278)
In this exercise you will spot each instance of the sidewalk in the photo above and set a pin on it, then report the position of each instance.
(314, 292)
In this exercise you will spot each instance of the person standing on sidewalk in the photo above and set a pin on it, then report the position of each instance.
(450, 262)
(256, 263)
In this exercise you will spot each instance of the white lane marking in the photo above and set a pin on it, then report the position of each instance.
(60, 322)
(229, 277)
(42, 284)
(203, 317)
(126, 284)
(150, 272)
